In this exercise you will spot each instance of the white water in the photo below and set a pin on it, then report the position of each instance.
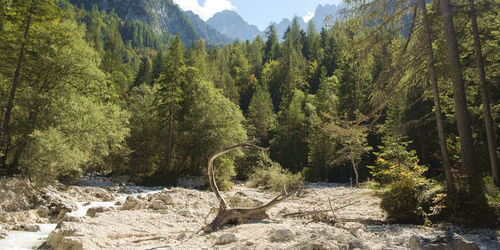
(18, 240)
(27, 240)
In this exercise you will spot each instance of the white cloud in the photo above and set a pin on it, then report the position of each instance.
(206, 10)
(308, 16)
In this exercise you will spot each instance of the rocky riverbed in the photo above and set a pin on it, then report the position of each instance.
(324, 216)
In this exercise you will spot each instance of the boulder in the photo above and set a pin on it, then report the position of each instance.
(158, 205)
(240, 201)
(448, 242)
(103, 195)
(166, 198)
(71, 218)
(26, 227)
(132, 203)
(59, 207)
(225, 239)
(280, 235)
(93, 211)
(4, 217)
(43, 213)
(125, 190)
(63, 237)
(31, 228)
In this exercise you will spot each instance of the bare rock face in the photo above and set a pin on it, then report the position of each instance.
(132, 203)
(448, 242)
(280, 235)
(226, 239)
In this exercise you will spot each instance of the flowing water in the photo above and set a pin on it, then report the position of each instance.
(18, 240)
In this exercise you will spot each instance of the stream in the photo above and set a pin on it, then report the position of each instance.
(21, 240)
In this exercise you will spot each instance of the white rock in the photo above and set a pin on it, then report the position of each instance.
(158, 205)
(454, 242)
(167, 198)
(278, 235)
(225, 239)
(132, 203)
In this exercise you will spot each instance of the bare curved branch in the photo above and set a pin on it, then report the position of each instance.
(211, 175)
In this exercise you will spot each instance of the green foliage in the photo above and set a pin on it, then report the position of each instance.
(289, 145)
(261, 117)
(145, 134)
(394, 160)
(68, 147)
(406, 189)
(224, 172)
(211, 123)
(275, 178)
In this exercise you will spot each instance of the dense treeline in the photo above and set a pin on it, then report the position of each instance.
(376, 95)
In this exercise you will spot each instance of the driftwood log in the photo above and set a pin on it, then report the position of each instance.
(226, 214)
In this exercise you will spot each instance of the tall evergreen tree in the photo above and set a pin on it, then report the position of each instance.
(144, 75)
(272, 49)
(488, 121)
(462, 113)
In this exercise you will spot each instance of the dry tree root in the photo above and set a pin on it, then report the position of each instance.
(225, 214)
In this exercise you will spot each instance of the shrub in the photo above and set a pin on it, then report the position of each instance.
(408, 194)
(224, 172)
(275, 178)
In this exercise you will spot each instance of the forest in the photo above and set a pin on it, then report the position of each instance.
(400, 96)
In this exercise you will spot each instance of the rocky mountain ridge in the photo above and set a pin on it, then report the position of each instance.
(164, 16)
(233, 25)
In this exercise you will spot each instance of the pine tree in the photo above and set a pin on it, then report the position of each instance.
(272, 49)
(462, 113)
(261, 117)
(144, 75)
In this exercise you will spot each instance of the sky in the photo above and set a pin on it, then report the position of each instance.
(257, 12)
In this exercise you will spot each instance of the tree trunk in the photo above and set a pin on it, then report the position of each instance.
(488, 121)
(437, 103)
(6, 137)
(170, 140)
(462, 114)
(355, 167)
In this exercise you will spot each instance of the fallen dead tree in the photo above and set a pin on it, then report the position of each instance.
(227, 215)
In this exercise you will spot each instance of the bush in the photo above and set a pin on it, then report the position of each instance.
(224, 172)
(408, 194)
(275, 178)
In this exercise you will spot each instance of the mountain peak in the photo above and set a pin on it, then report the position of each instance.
(231, 24)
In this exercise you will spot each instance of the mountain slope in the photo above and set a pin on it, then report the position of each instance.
(207, 32)
(232, 25)
(322, 11)
(163, 15)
